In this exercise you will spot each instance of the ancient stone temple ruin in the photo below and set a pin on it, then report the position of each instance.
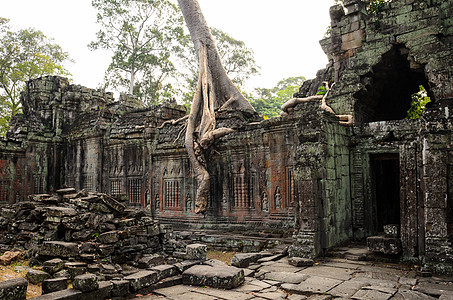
(304, 174)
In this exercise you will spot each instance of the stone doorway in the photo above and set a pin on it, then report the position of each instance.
(385, 178)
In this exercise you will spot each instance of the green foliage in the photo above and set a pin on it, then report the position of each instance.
(143, 35)
(322, 90)
(418, 104)
(237, 59)
(372, 6)
(376, 6)
(268, 102)
(24, 55)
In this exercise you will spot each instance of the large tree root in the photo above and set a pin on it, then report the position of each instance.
(288, 106)
(173, 122)
(202, 121)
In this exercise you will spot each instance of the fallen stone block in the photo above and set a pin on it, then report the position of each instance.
(112, 203)
(53, 266)
(196, 251)
(243, 260)
(62, 273)
(270, 258)
(120, 288)
(392, 230)
(59, 249)
(184, 265)
(216, 277)
(13, 289)
(36, 276)
(76, 268)
(110, 237)
(300, 262)
(56, 211)
(380, 244)
(165, 271)
(66, 191)
(107, 269)
(141, 280)
(69, 294)
(54, 285)
(148, 261)
(86, 282)
(166, 283)
(9, 256)
(106, 250)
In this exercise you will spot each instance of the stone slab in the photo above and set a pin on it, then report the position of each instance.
(36, 276)
(314, 284)
(226, 295)
(86, 282)
(13, 289)
(371, 294)
(148, 261)
(434, 289)
(300, 262)
(385, 245)
(278, 267)
(329, 272)
(120, 288)
(196, 251)
(286, 277)
(69, 294)
(59, 249)
(54, 285)
(243, 260)
(165, 271)
(141, 279)
(348, 288)
(216, 277)
(412, 295)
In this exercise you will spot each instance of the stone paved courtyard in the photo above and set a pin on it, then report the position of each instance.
(329, 278)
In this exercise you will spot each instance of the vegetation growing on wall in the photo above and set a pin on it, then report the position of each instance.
(418, 104)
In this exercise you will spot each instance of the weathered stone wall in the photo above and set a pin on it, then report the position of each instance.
(378, 59)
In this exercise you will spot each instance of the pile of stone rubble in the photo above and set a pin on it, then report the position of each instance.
(81, 225)
(103, 248)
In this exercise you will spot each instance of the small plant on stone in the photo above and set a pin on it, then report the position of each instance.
(322, 90)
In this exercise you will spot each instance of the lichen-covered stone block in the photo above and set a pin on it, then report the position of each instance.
(13, 289)
(54, 285)
(141, 280)
(385, 245)
(86, 282)
(216, 277)
(243, 260)
(36, 276)
(59, 249)
(53, 266)
(196, 252)
(150, 260)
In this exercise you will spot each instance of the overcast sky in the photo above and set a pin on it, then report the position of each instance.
(283, 34)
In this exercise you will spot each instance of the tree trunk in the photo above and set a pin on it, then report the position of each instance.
(215, 91)
(227, 95)
(131, 84)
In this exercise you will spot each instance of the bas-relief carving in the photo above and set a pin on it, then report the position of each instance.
(264, 202)
(189, 203)
(277, 198)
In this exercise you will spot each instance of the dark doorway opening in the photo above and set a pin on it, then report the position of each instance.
(385, 175)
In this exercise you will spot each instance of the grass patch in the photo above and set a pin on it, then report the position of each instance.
(224, 256)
